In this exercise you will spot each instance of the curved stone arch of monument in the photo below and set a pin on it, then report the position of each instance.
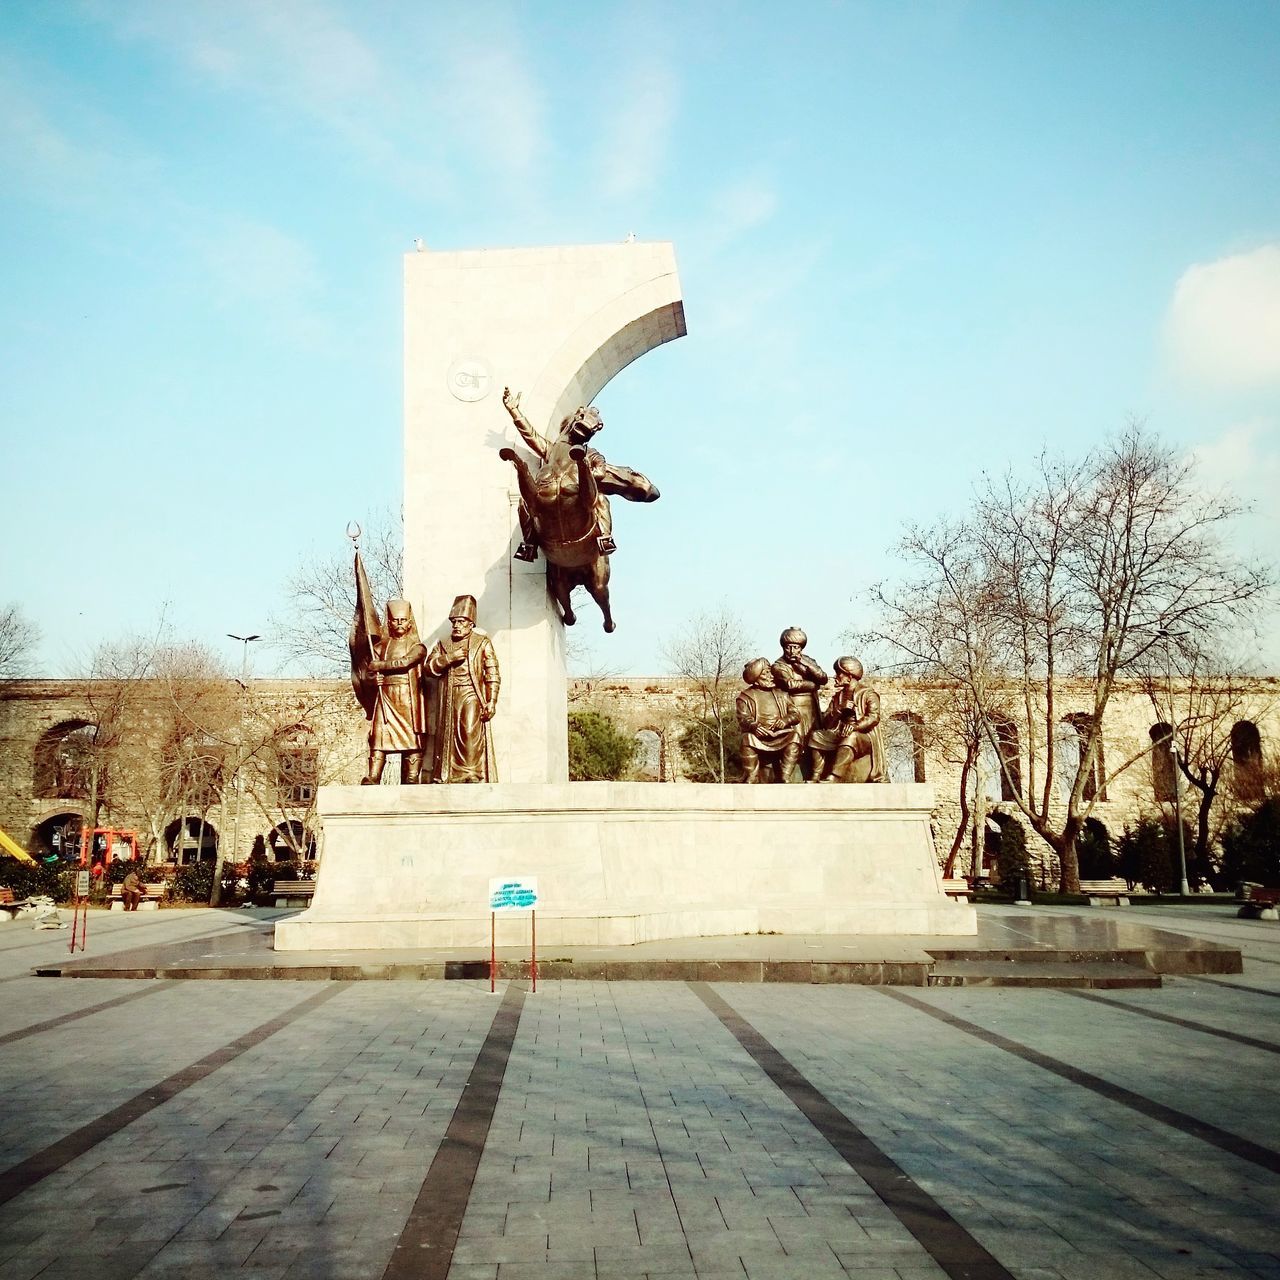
(619, 333)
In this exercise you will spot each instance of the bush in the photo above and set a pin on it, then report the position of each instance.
(1148, 855)
(1251, 846)
(193, 883)
(700, 750)
(42, 880)
(598, 749)
(1093, 849)
(1013, 862)
(261, 874)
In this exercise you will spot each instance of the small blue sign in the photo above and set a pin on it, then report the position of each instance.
(513, 894)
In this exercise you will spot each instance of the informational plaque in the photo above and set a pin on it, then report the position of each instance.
(513, 893)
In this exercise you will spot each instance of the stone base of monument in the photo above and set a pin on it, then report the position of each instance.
(622, 862)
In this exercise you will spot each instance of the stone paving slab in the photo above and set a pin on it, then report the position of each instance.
(633, 1134)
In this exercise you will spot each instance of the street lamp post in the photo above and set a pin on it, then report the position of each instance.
(246, 641)
(1184, 888)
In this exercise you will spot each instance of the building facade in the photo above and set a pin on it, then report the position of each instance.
(197, 768)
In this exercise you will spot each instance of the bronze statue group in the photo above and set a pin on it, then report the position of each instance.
(389, 670)
(788, 735)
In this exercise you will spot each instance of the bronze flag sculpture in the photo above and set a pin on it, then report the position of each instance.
(564, 505)
(386, 676)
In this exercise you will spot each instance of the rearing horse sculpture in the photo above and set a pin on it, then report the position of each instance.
(564, 505)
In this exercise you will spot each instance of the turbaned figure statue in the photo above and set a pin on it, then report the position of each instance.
(466, 699)
(770, 726)
(847, 747)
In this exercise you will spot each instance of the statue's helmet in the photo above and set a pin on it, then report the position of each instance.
(464, 607)
(850, 666)
(793, 635)
(755, 669)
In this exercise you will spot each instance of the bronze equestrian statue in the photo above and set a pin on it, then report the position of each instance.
(564, 505)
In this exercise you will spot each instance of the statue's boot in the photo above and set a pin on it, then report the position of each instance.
(410, 768)
(817, 765)
(790, 764)
(377, 759)
(841, 765)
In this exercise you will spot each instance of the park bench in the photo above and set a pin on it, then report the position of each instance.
(1105, 893)
(293, 893)
(957, 889)
(150, 903)
(1258, 902)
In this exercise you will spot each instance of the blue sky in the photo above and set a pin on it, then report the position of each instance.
(916, 241)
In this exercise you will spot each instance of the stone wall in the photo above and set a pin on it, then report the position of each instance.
(323, 716)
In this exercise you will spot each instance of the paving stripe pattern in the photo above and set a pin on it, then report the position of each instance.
(1235, 986)
(1252, 1042)
(1232, 1143)
(1057, 1182)
(50, 1023)
(956, 1251)
(19, 1178)
(424, 1250)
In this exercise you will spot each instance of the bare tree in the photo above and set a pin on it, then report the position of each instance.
(320, 596)
(709, 652)
(1202, 697)
(1073, 576)
(163, 713)
(18, 637)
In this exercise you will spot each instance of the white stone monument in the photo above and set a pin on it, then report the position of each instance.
(616, 863)
(554, 325)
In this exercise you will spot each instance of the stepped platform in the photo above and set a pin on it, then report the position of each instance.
(1013, 947)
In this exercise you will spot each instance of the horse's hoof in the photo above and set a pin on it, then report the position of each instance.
(577, 452)
(506, 454)
(569, 619)
(610, 625)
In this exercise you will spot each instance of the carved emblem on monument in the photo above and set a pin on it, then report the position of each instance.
(469, 379)
(564, 505)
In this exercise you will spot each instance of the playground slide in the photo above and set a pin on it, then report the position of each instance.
(14, 849)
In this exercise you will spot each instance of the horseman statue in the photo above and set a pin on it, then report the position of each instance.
(564, 505)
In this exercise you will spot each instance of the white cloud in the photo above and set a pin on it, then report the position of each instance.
(633, 149)
(1223, 324)
(495, 107)
(1244, 463)
(254, 262)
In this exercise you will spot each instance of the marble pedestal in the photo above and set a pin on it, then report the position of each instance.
(621, 863)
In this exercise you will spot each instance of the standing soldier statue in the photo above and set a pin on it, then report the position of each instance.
(387, 678)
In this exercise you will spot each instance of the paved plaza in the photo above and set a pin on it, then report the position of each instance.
(349, 1129)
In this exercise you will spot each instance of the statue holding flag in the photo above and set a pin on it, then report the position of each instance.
(387, 678)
